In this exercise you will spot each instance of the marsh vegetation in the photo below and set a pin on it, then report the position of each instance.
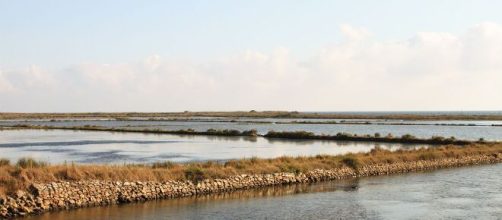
(25, 171)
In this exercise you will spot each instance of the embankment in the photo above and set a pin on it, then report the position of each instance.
(60, 194)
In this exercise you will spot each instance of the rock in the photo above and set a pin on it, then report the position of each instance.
(20, 194)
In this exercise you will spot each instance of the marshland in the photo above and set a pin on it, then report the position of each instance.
(85, 147)
(18, 175)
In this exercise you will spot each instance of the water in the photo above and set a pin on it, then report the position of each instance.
(422, 129)
(459, 193)
(463, 193)
(58, 146)
(374, 113)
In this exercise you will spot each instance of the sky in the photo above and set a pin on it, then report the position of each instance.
(88, 56)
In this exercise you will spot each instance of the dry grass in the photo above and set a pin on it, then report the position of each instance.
(19, 176)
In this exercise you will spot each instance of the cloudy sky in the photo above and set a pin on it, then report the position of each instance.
(58, 56)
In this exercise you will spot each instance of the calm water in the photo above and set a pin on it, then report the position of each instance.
(58, 146)
(460, 193)
(423, 129)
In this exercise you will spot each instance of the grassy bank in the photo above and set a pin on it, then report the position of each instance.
(253, 114)
(19, 175)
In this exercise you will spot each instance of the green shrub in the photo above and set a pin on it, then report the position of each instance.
(408, 137)
(290, 168)
(290, 134)
(254, 160)
(437, 138)
(165, 164)
(351, 162)
(252, 133)
(4, 162)
(27, 162)
(344, 135)
(194, 174)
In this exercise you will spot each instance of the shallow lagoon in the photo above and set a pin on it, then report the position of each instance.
(421, 129)
(58, 146)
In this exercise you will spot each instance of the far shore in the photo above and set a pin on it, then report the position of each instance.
(258, 114)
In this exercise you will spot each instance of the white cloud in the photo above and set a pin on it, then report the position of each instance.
(429, 71)
(352, 33)
(5, 85)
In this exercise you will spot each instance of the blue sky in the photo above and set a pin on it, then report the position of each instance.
(59, 33)
(114, 47)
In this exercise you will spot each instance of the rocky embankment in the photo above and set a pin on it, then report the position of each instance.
(53, 196)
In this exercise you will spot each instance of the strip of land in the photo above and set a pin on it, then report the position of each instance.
(32, 187)
(292, 135)
(256, 114)
(264, 121)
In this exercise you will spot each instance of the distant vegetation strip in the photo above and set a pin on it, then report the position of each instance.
(214, 132)
(377, 137)
(294, 135)
(289, 122)
(257, 114)
(230, 120)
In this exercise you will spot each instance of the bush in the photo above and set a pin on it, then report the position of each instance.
(377, 135)
(351, 162)
(254, 160)
(290, 168)
(378, 149)
(290, 134)
(252, 133)
(408, 137)
(437, 138)
(165, 164)
(194, 174)
(225, 132)
(344, 135)
(4, 162)
(27, 162)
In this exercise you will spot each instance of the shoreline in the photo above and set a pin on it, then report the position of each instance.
(56, 195)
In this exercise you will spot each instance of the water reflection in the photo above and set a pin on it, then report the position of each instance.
(60, 146)
(163, 206)
(471, 130)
